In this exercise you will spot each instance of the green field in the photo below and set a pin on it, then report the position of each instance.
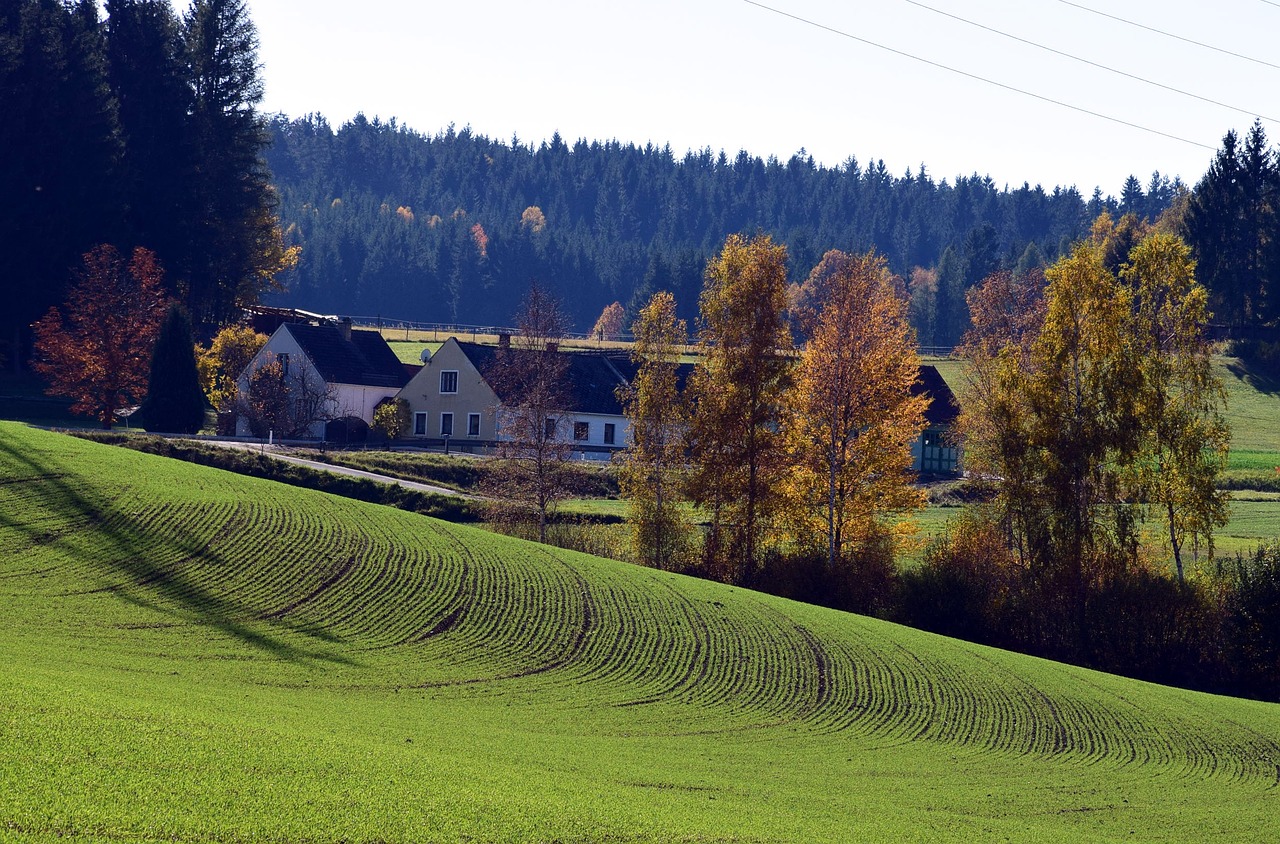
(194, 655)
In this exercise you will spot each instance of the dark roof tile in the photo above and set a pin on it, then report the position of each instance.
(365, 359)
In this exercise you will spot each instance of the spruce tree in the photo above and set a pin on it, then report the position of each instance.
(174, 403)
(144, 50)
(235, 245)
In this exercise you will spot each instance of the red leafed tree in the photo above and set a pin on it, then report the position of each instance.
(97, 350)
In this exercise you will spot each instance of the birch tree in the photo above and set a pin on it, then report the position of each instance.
(850, 415)
(652, 467)
(737, 452)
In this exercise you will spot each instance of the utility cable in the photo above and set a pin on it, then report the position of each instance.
(1171, 35)
(1021, 40)
(965, 73)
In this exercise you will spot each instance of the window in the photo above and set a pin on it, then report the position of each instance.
(283, 360)
(610, 433)
(419, 424)
(936, 453)
(446, 424)
(473, 424)
(581, 431)
(449, 381)
(550, 430)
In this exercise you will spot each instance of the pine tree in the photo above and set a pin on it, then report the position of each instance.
(147, 76)
(61, 144)
(175, 403)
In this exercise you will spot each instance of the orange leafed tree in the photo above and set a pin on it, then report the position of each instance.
(98, 350)
(850, 415)
(609, 325)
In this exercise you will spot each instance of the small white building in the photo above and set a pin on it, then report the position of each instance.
(344, 372)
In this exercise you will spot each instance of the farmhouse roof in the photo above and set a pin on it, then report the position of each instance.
(365, 359)
(944, 409)
(593, 377)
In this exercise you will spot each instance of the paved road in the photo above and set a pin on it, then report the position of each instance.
(272, 451)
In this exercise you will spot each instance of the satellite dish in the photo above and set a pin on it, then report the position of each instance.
(425, 356)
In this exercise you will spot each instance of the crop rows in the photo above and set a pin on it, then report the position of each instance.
(468, 607)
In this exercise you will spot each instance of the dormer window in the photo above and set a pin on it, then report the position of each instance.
(449, 381)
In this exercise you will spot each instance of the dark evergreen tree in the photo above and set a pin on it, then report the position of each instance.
(612, 219)
(144, 49)
(61, 144)
(175, 403)
(234, 245)
(1132, 200)
(1232, 225)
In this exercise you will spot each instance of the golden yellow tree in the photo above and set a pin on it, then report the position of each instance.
(737, 452)
(652, 466)
(850, 416)
(221, 364)
(1096, 412)
(1185, 436)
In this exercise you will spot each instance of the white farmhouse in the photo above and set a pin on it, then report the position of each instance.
(350, 370)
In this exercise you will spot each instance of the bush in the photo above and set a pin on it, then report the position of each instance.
(863, 581)
(1253, 622)
(965, 585)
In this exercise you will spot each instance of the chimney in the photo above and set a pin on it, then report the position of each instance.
(344, 326)
(504, 340)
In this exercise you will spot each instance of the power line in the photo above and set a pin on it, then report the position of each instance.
(1171, 35)
(1095, 64)
(965, 73)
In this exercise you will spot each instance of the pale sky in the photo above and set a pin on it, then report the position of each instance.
(727, 74)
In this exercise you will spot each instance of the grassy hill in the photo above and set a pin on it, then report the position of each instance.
(194, 655)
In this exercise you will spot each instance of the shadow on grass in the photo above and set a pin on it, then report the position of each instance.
(147, 584)
(1255, 377)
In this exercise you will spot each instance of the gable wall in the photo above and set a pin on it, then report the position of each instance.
(473, 396)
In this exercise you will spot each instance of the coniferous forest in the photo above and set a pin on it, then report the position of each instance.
(453, 227)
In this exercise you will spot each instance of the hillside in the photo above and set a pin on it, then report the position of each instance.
(195, 655)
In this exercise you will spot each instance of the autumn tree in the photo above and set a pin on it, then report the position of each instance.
(98, 350)
(651, 468)
(392, 418)
(221, 363)
(175, 402)
(609, 325)
(850, 415)
(1185, 437)
(1097, 415)
(737, 452)
(530, 376)
(1007, 311)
